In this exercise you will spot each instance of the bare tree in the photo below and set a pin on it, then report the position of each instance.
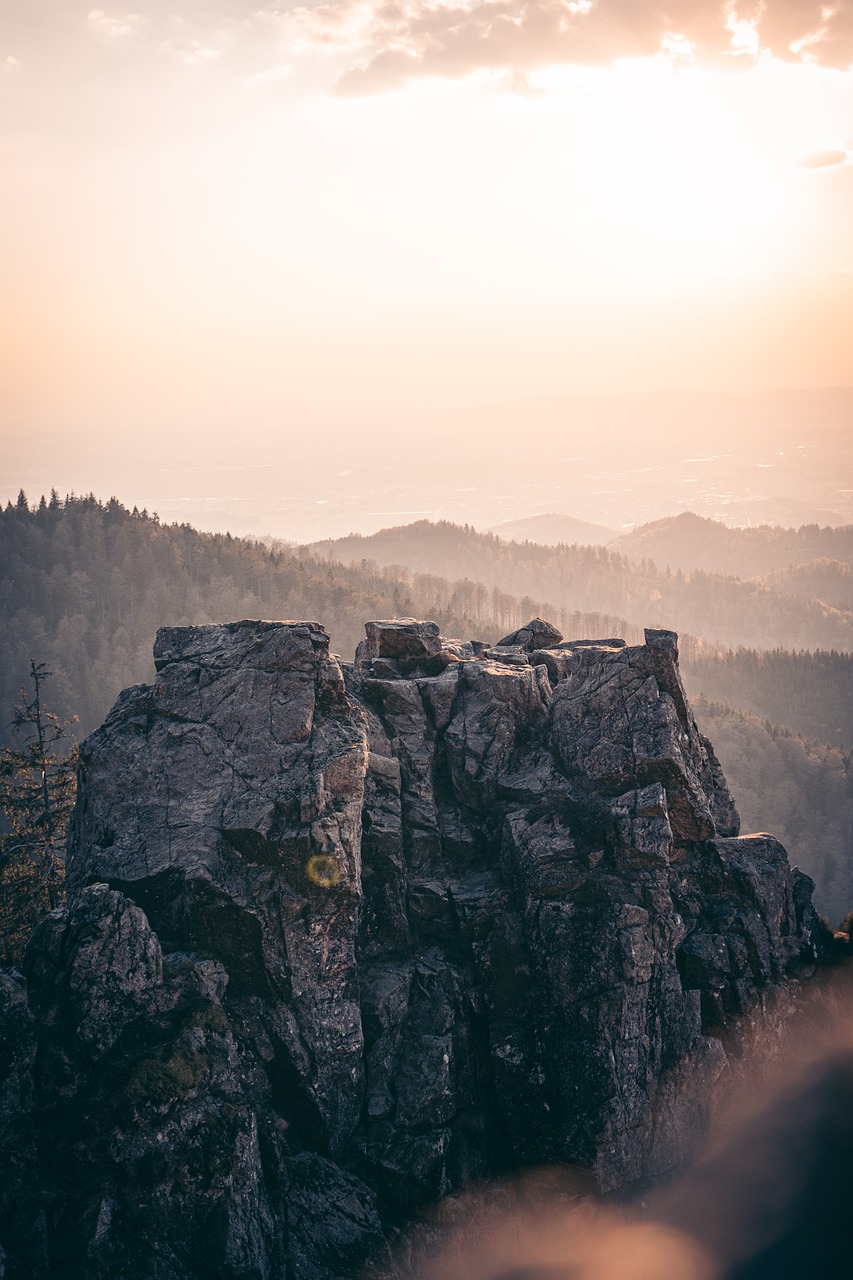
(37, 787)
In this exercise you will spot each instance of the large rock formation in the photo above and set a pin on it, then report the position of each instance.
(342, 938)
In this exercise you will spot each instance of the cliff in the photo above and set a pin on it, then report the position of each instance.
(343, 938)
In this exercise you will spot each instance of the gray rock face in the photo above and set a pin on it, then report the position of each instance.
(537, 634)
(226, 799)
(641, 731)
(341, 939)
(400, 638)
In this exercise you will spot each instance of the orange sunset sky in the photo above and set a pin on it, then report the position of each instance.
(218, 217)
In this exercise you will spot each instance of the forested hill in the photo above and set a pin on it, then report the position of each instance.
(800, 790)
(808, 693)
(689, 542)
(724, 611)
(822, 579)
(84, 585)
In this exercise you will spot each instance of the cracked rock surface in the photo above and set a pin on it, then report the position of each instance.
(341, 939)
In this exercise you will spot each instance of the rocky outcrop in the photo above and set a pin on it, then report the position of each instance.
(343, 938)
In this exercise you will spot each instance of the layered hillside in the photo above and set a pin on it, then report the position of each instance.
(723, 609)
(84, 585)
(342, 938)
(691, 542)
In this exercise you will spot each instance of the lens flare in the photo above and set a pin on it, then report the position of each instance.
(323, 870)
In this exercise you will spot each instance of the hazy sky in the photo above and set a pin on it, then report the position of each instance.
(217, 216)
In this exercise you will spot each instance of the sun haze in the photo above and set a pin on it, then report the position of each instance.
(224, 219)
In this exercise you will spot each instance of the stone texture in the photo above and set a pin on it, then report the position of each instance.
(343, 939)
(400, 638)
(621, 719)
(227, 799)
(537, 634)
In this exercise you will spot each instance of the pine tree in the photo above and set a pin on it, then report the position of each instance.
(37, 787)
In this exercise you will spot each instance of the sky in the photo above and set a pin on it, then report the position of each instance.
(223, 223)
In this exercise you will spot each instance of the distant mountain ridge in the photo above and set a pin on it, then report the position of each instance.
(551, 529)
(689, 542)
(723, 610)
(813, 561)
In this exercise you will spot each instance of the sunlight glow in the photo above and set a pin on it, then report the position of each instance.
(210, 219)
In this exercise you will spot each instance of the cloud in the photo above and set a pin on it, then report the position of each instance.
(374, 45)
(270, 75)
(402, 39)
(193, 54)
(9, 67)
(113, 26)
(823, 159)
(244, 38)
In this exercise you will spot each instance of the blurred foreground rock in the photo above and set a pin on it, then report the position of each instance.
(342, 939)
